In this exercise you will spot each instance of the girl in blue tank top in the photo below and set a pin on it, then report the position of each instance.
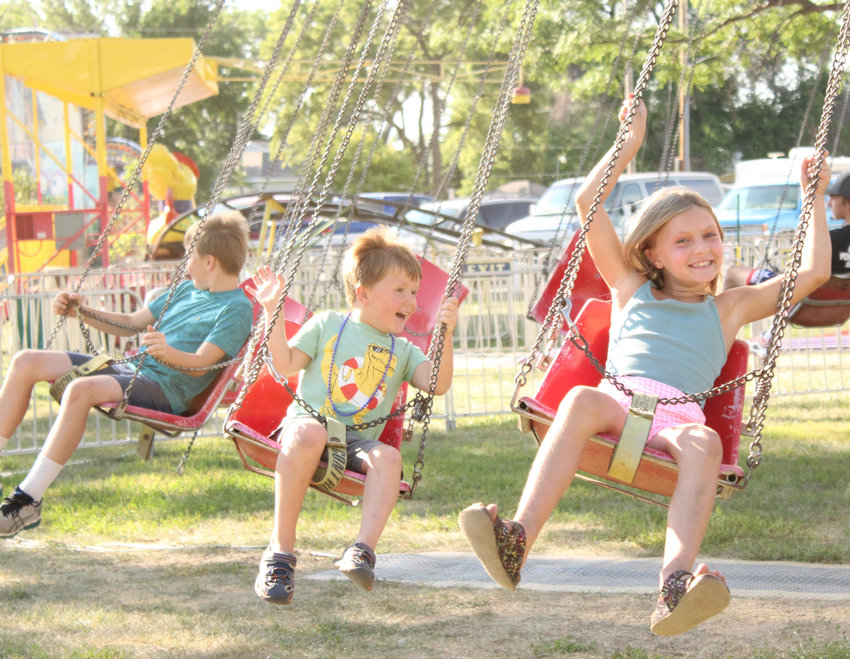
(670, 333)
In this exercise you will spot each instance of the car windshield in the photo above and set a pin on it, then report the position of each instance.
(762, 197)
(416, 216)
(557, 197)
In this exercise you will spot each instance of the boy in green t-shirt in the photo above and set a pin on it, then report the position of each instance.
(208, 319)
(353, 366)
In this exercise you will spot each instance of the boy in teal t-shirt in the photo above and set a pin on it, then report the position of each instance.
(207, 320)
(352, 368)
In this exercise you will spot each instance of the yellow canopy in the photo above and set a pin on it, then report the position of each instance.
(135, 77)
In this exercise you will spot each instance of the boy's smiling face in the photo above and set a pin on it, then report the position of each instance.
(388, 303)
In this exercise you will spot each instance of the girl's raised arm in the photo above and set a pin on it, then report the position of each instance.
(739, 306)
(602, 240)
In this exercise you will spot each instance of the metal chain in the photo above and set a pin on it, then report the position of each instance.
(262, 352)
(568, 280)
(383, 66)
(246, 128)
(257, 348)
(550, 259)
(84, 330)
(758, 412)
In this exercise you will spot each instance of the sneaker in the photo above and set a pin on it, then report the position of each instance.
(18, 512)
(275, 581)
(358, 564)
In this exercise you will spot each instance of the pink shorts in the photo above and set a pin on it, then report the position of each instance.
(666, 416)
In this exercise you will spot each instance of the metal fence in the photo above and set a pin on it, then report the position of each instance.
(493, 335)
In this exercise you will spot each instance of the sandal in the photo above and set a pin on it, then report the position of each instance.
(686, 600)
(500, 548)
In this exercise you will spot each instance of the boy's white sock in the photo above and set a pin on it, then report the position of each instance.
(44, 471)
(3, 442)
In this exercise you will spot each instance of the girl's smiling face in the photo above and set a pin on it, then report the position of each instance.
(688, 248)
(387, 304)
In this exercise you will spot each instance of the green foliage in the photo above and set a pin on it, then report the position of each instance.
(752, 71)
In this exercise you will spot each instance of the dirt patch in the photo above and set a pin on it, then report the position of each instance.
(193, 603)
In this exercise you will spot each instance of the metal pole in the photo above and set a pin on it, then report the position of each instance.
(684, 160)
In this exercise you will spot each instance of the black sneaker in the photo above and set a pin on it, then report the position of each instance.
(275, 581)
(18, 512)
(358, 564)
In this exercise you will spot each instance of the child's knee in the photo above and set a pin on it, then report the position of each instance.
(703, 441)
(385, 457)
(304, 437)
(25, 361)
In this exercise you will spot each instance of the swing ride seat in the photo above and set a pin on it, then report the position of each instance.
(826, 306)
(251, 427)
(420, 326)
(588, 284)
(657, 471)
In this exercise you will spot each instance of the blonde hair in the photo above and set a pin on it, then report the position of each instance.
(658, 209)
(371, 256)
(224, 237)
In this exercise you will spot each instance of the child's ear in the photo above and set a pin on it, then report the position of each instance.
(362, 293)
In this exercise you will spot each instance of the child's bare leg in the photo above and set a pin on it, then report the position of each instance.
(26, 369)
(301, 448)
(502, 551)
(698, 452)
(77, 401)
(584, 412)
(380, 493)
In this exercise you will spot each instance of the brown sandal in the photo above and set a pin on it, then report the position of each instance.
(500, 548)
(686, 600)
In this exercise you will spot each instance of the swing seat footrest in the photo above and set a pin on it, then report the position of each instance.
(656, 474)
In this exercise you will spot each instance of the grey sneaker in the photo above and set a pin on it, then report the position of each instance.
(358, 564)
(18, 512)
(275, 581)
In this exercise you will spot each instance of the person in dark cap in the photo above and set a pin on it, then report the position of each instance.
(838, 193)
(839, 204)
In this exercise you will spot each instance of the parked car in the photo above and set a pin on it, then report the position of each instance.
(554, 214)
(763, 209)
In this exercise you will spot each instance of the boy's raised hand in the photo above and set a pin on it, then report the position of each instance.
(267, 289)
(448, 313)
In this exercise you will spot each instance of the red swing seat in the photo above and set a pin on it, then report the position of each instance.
(252, 425)
(657, 472)
(826, 306)
(588, 285)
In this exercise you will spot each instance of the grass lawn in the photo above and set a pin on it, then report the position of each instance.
(194, 598)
